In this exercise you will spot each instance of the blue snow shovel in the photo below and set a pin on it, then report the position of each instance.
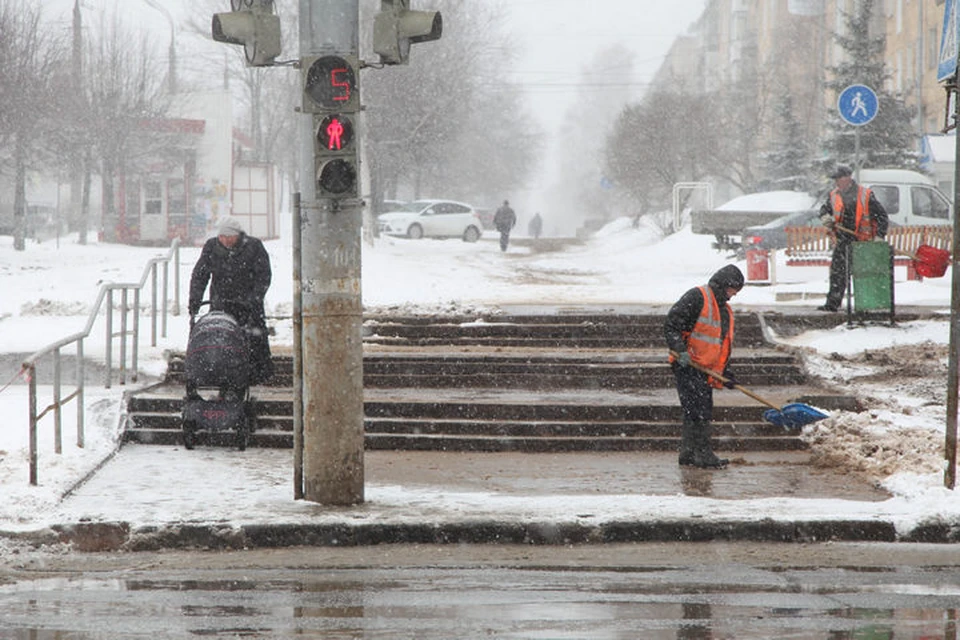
(789, 416)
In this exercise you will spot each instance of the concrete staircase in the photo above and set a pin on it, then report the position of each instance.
(519, 383)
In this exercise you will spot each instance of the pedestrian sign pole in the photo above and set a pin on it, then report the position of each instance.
(857, 105)
(947, 74)
(947, 61)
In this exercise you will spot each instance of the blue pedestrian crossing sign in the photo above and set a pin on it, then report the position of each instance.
(947, 61)
(858, 104)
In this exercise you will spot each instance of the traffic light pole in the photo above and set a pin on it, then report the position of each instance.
(330, 347)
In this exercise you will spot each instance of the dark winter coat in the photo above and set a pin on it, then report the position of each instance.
(848, 219)
(239, 278)
(696, 395)
(536, 226)
(504, 219)
(686, 311)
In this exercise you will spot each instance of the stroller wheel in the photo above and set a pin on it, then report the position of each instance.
(189, 434)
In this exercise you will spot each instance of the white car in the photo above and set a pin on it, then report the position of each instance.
(432, 219)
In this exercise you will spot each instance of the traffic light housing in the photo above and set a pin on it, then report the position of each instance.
(252, 24)
(395, 28)
(331, 95)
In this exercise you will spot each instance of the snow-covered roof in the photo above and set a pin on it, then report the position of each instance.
(785, 201)
(896, 176)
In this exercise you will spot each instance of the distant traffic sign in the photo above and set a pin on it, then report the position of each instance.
(947, 61)
(858, 104)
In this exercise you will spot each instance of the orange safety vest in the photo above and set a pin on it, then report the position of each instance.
(704, 343)
(865, 227)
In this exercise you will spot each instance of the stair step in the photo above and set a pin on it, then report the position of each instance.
(488, 382)
(409, 442)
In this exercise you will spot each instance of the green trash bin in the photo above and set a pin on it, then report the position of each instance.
(872, 274)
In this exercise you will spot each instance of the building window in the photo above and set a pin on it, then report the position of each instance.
(153, 198)
(177, 197)
(133, 198)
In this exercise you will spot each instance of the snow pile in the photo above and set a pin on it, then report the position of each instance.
(874, 446)
(902, 389)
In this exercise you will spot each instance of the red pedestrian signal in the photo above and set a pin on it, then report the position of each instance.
(334, 133)
(331, 93)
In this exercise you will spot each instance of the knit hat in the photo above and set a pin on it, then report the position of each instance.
(229, 226)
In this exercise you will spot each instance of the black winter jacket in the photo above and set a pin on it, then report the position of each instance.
(686, 311)
(239, 278)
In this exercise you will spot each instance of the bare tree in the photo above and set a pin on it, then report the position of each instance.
(667, 138)
(447, 124)
(582, 190)
(268, 95)
(125, 97)
(29, 58)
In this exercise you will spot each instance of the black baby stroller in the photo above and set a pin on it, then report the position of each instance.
(217, 372)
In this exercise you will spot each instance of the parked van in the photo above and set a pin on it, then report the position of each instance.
(910, 198)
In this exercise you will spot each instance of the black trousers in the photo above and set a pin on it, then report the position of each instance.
(838, 273)
(696, 396)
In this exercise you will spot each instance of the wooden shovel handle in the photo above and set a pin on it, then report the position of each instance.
(912, 256)
(721, 378)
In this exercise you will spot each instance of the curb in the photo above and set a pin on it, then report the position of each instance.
(121, 536)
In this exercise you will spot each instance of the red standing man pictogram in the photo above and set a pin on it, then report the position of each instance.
(335, 134)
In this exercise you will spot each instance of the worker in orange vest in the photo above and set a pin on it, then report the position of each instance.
(699, 331)
(854, 214)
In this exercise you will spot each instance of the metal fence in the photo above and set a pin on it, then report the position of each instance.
(129, 332)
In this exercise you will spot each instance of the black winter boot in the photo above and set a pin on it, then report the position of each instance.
(703, 456)
(688, 445)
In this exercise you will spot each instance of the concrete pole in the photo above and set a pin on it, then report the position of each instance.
(953, 359)
(332, 308)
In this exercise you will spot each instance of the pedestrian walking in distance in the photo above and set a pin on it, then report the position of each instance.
(504, 220)
(699, 330)
(535, 228)
(853, 213)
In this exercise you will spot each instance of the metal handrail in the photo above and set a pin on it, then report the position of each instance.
(106, 293)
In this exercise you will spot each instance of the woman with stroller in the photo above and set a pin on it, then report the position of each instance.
(237, 266)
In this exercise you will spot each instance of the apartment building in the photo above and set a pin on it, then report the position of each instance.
(791, 46)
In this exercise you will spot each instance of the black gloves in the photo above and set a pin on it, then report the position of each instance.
(683, 359)
(731, 382)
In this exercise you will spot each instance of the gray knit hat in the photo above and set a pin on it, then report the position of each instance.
(229, 226)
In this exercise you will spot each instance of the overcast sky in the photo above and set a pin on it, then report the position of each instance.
(556, 37)
(559, 37)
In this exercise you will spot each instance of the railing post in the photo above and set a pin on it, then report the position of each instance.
(135, 359)
(108, 348)
(176, 278)
(81, 436)
(123, 335)
(153, 304)
(32, 384)
(57, 423)
(163, 302)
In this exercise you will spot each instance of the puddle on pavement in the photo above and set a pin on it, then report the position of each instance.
(561, 605)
